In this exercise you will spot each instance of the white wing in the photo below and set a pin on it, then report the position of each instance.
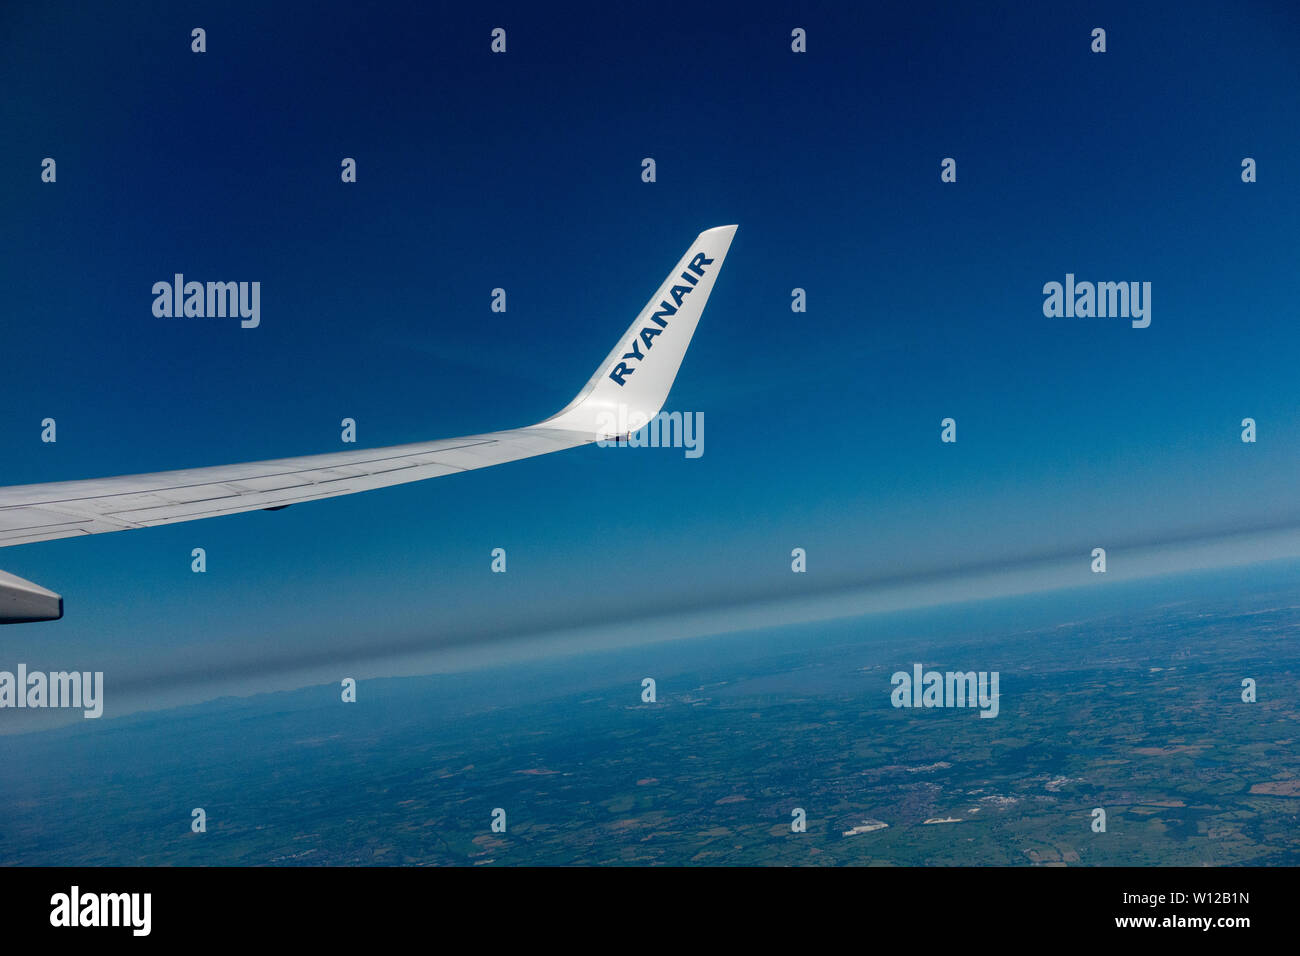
(69, 508)
(630, 387)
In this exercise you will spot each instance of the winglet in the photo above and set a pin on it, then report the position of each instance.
(630, 387)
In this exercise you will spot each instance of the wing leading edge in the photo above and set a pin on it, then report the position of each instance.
(635, 377)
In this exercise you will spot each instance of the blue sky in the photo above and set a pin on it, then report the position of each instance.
(523, 171)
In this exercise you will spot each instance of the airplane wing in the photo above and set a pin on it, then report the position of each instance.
(626, 391)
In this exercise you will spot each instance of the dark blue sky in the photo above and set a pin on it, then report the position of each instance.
(523, 171)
